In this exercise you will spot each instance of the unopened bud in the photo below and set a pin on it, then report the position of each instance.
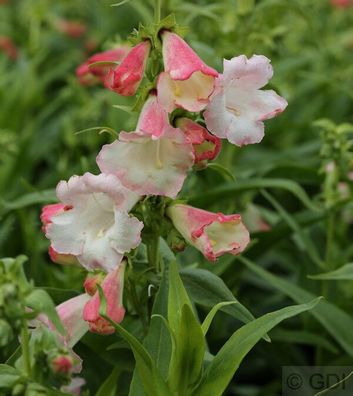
(91, 282)
(62, 364)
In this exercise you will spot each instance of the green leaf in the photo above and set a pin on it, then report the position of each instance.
(306, 242)
(122, 2)
(343, 273)
(208, 320)
(223, 366)
(45, 196)
(336, 321)
(9, 376)
(221, 170)
(108, 388)
(187, 358)
(177, 297)
(228, 190)
(158, 340)
(151, 379)
(40, 301)
(207, 289)
(303, 337)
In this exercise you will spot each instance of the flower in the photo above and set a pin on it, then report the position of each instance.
(187, 81)
(91, 282)
(205, 146)
(8, 47)
(70, 314)
(97, 228)
(342, 3)
(73, 29)
(214, 234)
(48, 212)
(112, 286)
(126, 78)
(154, 159)
(254, 220)
(88, 74)
(62, 364)
(74, 386)
(238, 107)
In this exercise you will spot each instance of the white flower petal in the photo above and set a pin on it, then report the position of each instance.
(146, 165)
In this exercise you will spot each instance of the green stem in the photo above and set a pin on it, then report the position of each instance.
(157, 11)
(25, 348)
(153, 252)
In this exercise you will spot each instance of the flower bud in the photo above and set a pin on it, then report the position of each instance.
(214, 234)
(62, 364)
(112, 286)
(126, 78)
(205, 145)
(88, 74)
(91, 282)
(187, 81)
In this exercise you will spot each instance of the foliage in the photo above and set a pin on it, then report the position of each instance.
(298, 179)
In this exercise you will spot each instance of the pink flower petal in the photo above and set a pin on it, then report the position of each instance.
(214, 234)
(180, 61)
(126, 78)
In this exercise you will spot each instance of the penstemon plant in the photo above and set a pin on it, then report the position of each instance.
(126, 226)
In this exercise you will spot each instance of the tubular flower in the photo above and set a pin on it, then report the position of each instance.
(214, 234)
(89, 74)
(187, 81)
(238, 107)
(48, 212)
(97, 229)
(126, 78)
(70, 314)
(205, 146)
(154, 159)
(112, 286)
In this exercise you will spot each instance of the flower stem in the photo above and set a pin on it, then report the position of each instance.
(157, 11)
(25, 348)
(153, 252)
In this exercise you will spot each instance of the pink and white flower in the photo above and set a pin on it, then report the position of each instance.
(97, 228)
(88, 74)
(205, 145)
(70, 314)
(214, 234)
(48, 212)
(126, 78)
(187, 81)
(154, 159)
(238, 107)
(112, 286)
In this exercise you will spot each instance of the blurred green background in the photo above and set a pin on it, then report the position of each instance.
(42, 106)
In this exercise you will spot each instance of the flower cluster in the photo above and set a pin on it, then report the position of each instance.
(188, 109)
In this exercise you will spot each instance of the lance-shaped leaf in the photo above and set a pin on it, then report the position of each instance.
(208, 320)
(188, 354)
(151, 379)
(336, 321)
(158, 340)
(222, 368)
(343, 273)
(207, 289)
